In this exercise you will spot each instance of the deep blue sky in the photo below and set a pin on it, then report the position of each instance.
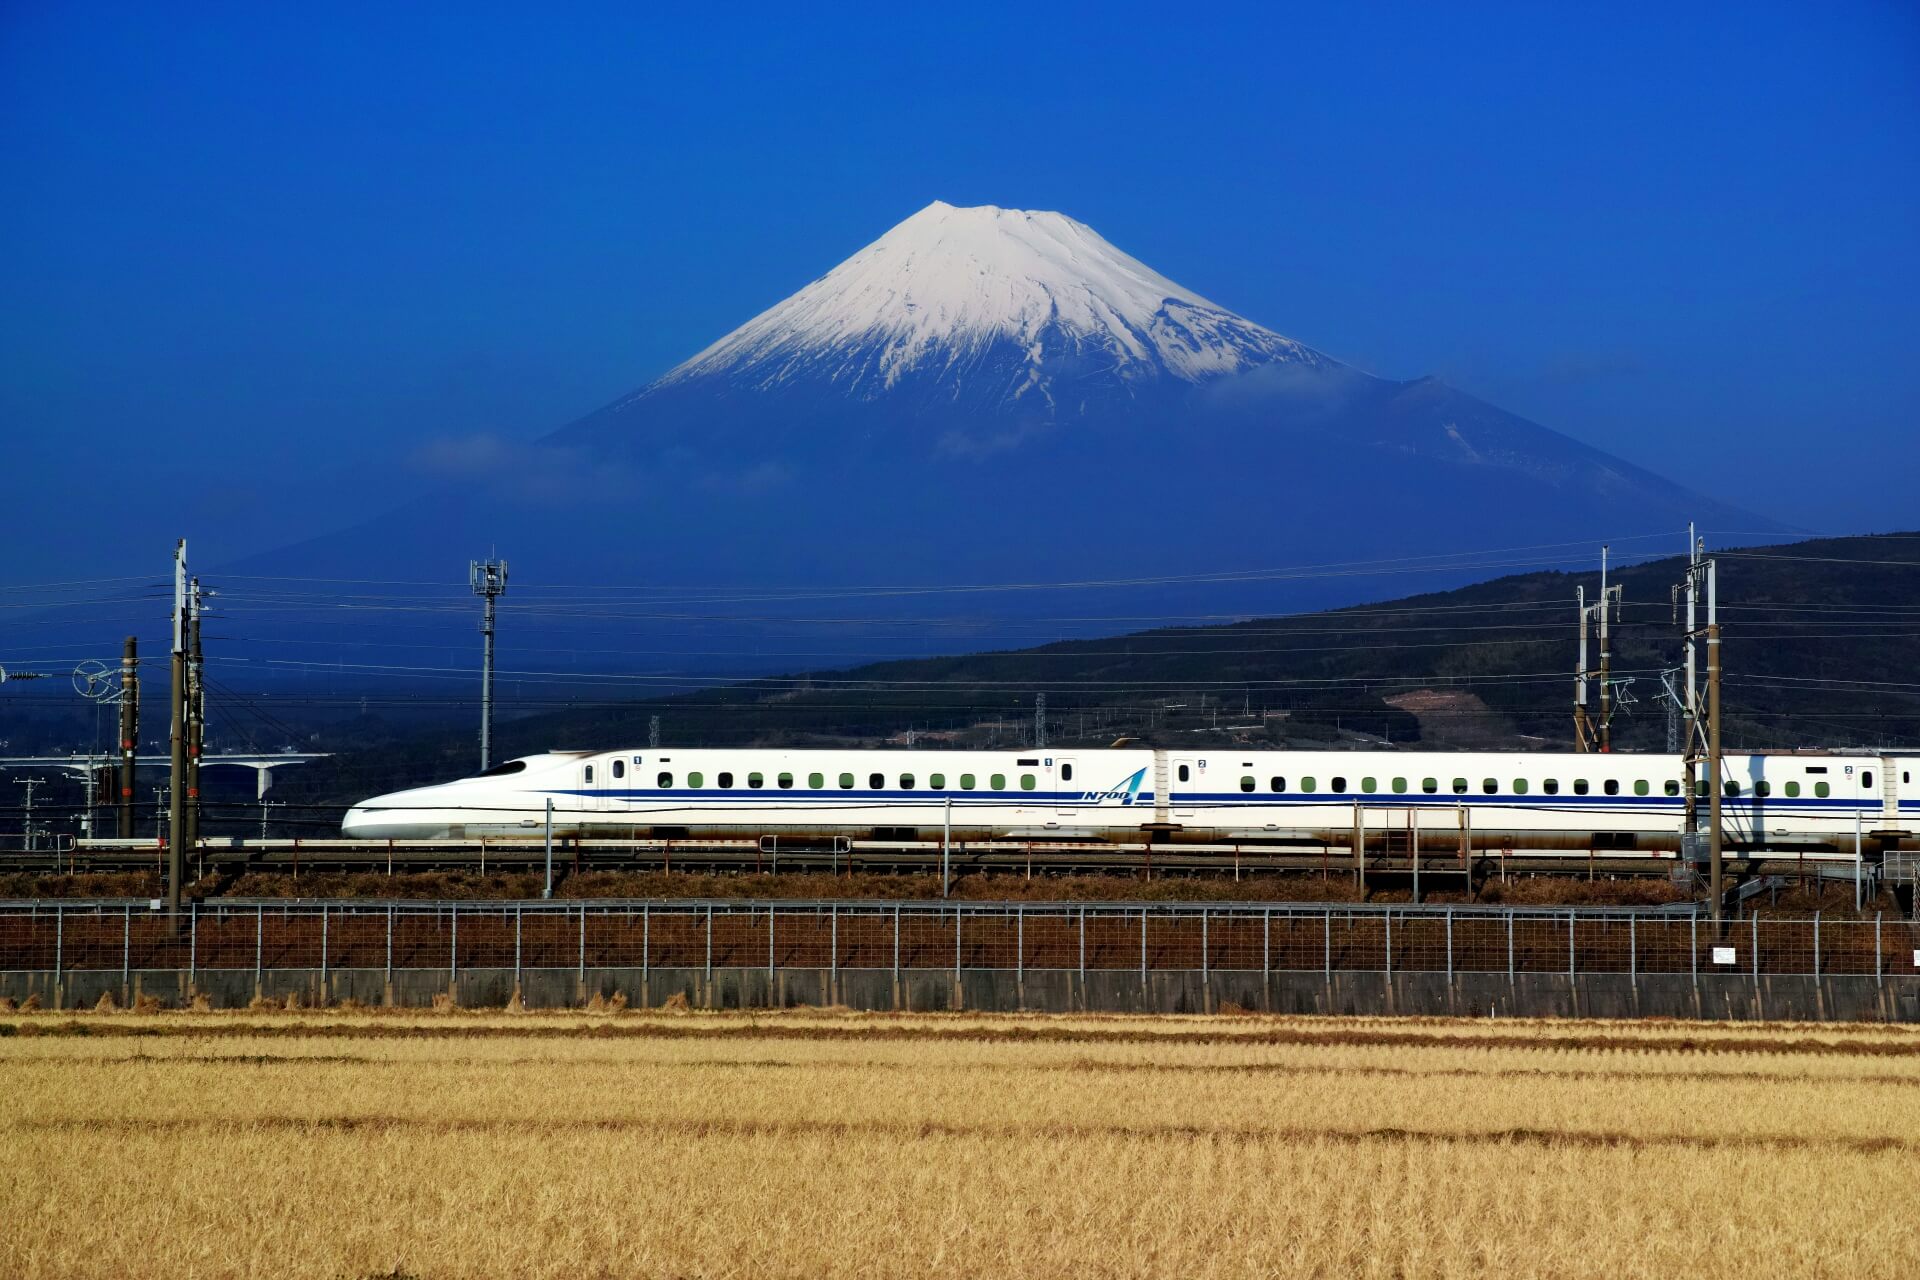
(280, 248)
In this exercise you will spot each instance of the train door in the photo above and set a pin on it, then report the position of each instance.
(595, 779)
(1187, 779)
(1066, 786)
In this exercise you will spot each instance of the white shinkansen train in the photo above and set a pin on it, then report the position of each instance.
(1212, 794)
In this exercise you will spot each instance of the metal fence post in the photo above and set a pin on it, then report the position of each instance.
(126, 943)
(453, 948)
(1389, 919)
(1083, 944)
(1204, 916)
(1693, 936)
(1020, 942)
(709, 962)
(193, 942)
(1754, 920)
(583, 942)
(1266, 940)
(1633, 948)
(1569, 944)
(389, 943)
(646, 939)
(323, 950)
(1509, 944)
(1143, 946)
(896, 942)
(519, 914)
(1876, 948)
(1449, 944)
(956, 944)
(833, 941)
(59, 943)
(259, 940)
(1816, 946)
(1326, 955)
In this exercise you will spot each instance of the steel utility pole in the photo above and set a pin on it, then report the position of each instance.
(1595, 732)
(1714, 773)
(196, 714)
(129, 732)
(489, 581)
(1039, 721)
(1606, 658)
(177, 772)
(26, 823)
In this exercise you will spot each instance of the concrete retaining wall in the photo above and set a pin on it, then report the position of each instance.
(1710, 996)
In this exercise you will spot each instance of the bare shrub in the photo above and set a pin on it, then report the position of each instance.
(106, 1003)
(144, 1003)
(677, 1003)
(199, 1003)
(31, 1003)
(443, 1002)
(6, 1004)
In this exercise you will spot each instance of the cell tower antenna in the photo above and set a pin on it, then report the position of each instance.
(489, 581)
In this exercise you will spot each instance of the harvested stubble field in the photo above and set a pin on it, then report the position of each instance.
(348, 1143)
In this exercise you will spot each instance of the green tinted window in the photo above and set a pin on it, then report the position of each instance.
(938, 781)
(846, 782)
(756, 779)
(1307, 784)
(1246, 782)
(1763, 788)
(906, 782)
(1490, 786)
(1519, 786)
(1430, 785)
(966, 782)
(999, 782)
(816, 780)
(1459, 786)
(696, 779)
(1822, 790)
(1026, 782)
(1368, 785)
(1640, 788)
(1793, 790)
(1399, 785)
(786, 781)
(1673, 787)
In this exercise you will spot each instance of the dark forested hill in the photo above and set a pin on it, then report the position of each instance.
(1822, 647)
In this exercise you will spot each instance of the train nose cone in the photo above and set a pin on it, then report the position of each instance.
(357, 823)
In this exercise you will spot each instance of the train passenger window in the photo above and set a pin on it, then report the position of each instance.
(619, 768)
(1459, 786)
(725, 779)
(1519, 786)
(876, 782)
(1732, 788)
(1276, 784)
(1822, 790)
(1551, 786)
(1763, 789)
(906, 782)
(999, 781)
(1368, 785)
(664, 780)
(816, 780)
(1611, 786)
(966, 782)
(1673, 787)
(1640, 787)
(1246, 782)
(1866, 777)
(938, 781)
(846, 782)
(786, 781)
(1793, 791)
(1027, 782)
(1430, 785)
(1185, 773)
(1338, 784)
(1307, 785)
(1399, 786)
(696, 779)
(1580, 786)
(1490, 785)
(756, 780)
(588, 775)
(1066, 771)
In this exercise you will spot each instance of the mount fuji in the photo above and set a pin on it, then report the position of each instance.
(989, 395)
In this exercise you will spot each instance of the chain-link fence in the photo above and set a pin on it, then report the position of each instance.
(773, 936)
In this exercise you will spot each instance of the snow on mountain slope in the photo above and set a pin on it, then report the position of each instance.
(1001, 293)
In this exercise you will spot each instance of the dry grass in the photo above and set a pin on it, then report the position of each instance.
(359, 1143)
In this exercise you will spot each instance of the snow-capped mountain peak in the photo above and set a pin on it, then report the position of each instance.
(1005, 296)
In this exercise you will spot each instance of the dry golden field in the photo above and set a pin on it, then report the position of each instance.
(350, 1144)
